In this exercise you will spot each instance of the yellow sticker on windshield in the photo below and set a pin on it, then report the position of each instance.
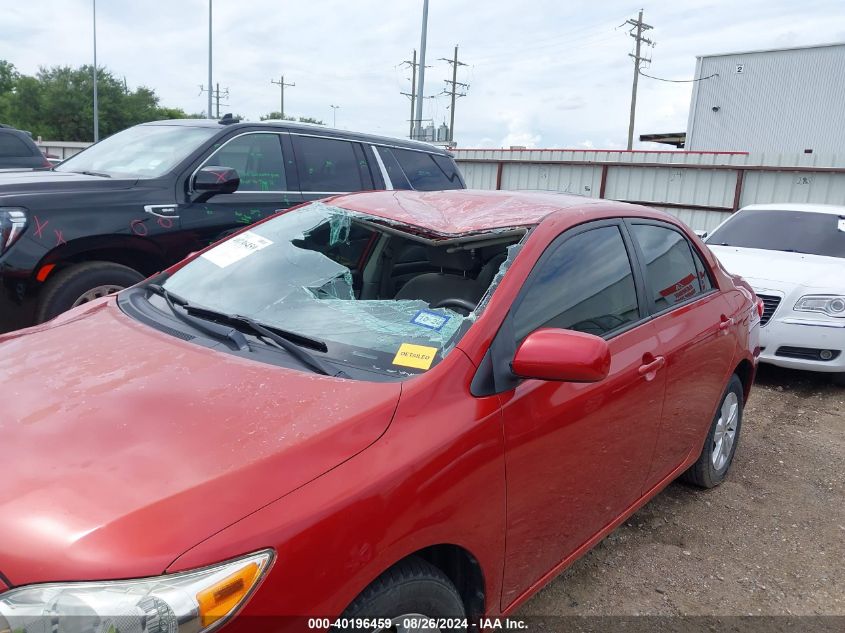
(416, 356)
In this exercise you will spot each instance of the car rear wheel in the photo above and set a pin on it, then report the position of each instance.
(413, 596)
(82, 283)
(722, 439)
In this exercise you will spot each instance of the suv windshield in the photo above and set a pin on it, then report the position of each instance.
(143, 151)
(791, 231)
(380, 296)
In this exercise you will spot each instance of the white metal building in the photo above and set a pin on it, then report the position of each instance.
(781, 100)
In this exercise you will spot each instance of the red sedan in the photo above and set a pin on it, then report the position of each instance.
(403, 409)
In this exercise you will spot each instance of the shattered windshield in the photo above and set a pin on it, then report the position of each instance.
(381, 296)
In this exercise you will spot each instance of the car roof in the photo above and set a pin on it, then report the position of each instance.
(833, 209)
(320, 130)
(464, 211)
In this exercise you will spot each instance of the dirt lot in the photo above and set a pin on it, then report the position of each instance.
(769, 541)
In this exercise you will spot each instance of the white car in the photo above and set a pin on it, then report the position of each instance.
(793, 255)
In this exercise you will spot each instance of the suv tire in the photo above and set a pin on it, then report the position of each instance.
(81, 283)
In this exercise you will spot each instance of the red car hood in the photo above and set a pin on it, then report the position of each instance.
(122, 447)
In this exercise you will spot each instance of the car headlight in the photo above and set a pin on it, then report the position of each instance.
(12, 223)
(187, 602)
(831, 305)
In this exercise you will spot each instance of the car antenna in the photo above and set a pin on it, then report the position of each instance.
(228, 119)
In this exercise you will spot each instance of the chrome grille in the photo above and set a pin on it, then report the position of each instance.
(770, 304)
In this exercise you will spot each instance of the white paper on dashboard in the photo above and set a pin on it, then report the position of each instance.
(236, 249)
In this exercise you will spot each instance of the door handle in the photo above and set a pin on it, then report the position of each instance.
(726, 322)
(653, 366)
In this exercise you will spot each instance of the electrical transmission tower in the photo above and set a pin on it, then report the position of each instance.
(638, 27)
(454, 91)
(413, 94)
(415, 130)
(281, 84)
(217, 96)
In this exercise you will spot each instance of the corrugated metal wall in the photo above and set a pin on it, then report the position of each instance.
(786, 100)
(701, 188)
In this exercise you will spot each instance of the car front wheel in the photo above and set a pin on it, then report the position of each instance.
(414, 595)
(722, 439)
(81, 283)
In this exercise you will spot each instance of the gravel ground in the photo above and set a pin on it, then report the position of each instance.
(769, 541)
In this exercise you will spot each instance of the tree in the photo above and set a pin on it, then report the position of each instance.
(57, 103)
(277, 116)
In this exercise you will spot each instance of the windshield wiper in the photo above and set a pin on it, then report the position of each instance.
(212, 329)
(281, 338)
(94, 173)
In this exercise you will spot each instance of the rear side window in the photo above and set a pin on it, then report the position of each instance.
(258, 160)
(428, 172)
(703, 275)
(330, 165)
(13, 146)
(672, 273)
(586, 285)
(394, 171)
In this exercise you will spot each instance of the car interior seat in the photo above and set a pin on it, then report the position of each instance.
(454, 281)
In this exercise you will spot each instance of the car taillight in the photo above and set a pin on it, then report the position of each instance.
(12, 223)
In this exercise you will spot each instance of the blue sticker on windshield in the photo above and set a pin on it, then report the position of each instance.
(431, 320)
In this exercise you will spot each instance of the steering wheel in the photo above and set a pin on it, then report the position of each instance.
(463, 304)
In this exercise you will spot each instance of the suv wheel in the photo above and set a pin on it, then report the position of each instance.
(82, 283)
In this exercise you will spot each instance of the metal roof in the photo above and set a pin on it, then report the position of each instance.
(317, 130)
(773, 50)
(466, 211)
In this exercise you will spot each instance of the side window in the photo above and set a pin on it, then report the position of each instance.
(586, 285)
(258, 160)
(394, 171)
(671, 270)
(330, 165)
(425, 173)
(703, 276)
(12, 146)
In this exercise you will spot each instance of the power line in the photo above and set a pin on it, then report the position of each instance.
(454, 91)
(680, 81)
(640, 27)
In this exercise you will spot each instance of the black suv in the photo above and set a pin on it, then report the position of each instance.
(19, 151)
(143, 199)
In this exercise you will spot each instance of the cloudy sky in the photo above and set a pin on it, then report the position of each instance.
(542, 73)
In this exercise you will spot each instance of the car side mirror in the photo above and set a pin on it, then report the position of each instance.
(212, 180)
(564, 355)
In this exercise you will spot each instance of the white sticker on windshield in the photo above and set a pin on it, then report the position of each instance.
(236, 249)
(841, 225)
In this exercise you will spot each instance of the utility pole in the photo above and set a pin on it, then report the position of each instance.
(334, 114)
(454, 91)
(209, 59)
(639, 26)
(215, 96)
(281, 84)
(421, 82)
(96, 105)
(413, 64)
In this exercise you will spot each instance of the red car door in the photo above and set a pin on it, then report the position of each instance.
(577, 455)
(693, 322)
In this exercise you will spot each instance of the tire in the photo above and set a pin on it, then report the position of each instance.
(69, 286)
(712, 466)
(412, 587)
